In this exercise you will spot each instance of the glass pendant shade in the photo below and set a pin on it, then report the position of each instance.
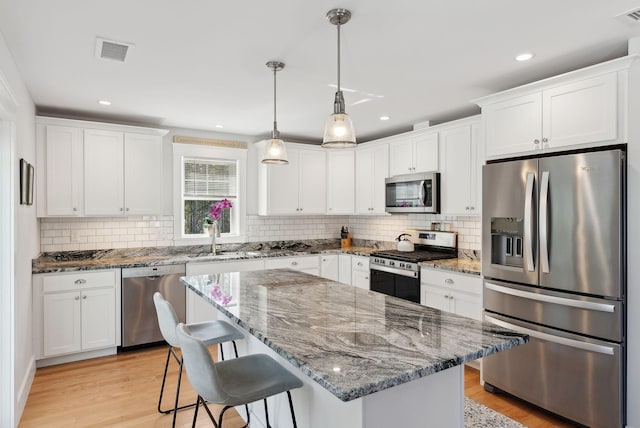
(339, 132)
(275, 152)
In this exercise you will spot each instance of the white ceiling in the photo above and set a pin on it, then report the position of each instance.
(197, 64)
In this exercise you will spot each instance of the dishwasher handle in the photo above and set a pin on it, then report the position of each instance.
(153, 271)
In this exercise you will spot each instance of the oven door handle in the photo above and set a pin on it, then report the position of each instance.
(408, 273)
(600, 349)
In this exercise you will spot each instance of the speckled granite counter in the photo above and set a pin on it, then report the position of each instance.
(70, 261)
(351, 341)
(457, 265)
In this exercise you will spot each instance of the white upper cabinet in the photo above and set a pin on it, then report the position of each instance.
(340, 182)
(296, 188)
(95, 169)
(580, 109)
(142, 174)
(60, 181)
(372, 167)
(461, 169)
(104, 172)
(411, 152)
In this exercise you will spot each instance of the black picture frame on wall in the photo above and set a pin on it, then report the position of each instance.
(27, 178)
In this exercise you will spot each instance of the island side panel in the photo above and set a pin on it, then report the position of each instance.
(436, 400)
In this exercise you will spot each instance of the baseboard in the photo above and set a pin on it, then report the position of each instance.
(70, 358)
(25, 388)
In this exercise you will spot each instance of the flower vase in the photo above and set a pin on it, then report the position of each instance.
(214, 231)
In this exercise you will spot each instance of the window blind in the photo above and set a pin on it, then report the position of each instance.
(211, 179)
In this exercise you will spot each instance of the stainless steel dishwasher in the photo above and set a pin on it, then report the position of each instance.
(139, 319)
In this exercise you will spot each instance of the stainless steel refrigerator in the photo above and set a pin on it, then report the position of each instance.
(553, 260)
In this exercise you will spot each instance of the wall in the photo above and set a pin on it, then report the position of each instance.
(71, 234)
(26, 246)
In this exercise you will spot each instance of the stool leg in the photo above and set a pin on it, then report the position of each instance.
(293, 415)
(164, 379)
(195, 413)
(221, 351)
(175, 407)
(266, 413)
(235, 348)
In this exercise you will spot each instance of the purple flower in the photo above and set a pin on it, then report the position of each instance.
(216, 209)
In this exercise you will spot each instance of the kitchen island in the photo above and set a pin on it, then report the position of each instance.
(366, 359)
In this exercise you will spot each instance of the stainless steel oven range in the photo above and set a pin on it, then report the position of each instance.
(397, 273)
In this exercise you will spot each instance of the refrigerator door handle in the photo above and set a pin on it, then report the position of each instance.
(528, 232)
(607, 350)
(580, 304)
(544, 222)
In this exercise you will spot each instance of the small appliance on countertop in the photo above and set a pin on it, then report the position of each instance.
(397, 272)
(404, 243)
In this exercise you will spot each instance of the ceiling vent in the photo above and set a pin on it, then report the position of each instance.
(630, 17)
(112, 50)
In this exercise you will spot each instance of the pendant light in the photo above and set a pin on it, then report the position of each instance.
(275, 153)
(339, 132)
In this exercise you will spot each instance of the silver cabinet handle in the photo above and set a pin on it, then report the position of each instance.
(545, 140)
(84, 297)
(80, 281)
(75, 209)
(366, 277)
(77, 298)
(121, 209)
(472, 208)
(294, 263)
(528, 224)
(449, 281)
(544, 222)
(580, 304)
(607, 350)
(536, 141)
(126, 209)
(360, 264)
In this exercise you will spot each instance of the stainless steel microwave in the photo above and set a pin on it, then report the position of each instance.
(413, 193)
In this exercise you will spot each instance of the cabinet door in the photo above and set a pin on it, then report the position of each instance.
(364, 181)
(98, 318)
(341, 182)
(283, 186)
(380, 172)
(477, 160)
(581, 112)
(63, 158)
(329, 267)
(456, 170)
(344, 270)
(142, 174)
(426, 152)
(401, 156)
(513, 126)
(466, 305)
(360, 279)
(61, 323)
(313, 182)
(436, 297)
(103, 172)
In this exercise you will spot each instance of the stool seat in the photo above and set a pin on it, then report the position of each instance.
(252, 378)
(214, 332)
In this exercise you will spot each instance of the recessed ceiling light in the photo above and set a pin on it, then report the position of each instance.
(524, 56)
(384, 117)
(104, 103)
(219, 126)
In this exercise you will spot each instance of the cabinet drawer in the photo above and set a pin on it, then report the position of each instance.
(298, 263)
(360, 264)
(78, 281)
(456, 281)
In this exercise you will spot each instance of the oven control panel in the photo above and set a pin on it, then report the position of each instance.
(396, 264)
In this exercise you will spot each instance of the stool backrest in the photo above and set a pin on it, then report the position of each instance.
(200, 367)
(167, 320)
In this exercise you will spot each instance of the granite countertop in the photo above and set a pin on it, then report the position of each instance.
(353, 342)
(461, 265)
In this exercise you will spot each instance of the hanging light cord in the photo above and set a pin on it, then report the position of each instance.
(338, 104)
(275, 133)
(338, 56)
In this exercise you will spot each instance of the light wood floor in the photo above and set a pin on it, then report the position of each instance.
(122, 391)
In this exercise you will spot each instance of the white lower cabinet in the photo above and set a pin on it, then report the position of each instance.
(76, 313)
(330, 266)
(360, 272)
(344, 268)
(452, 292)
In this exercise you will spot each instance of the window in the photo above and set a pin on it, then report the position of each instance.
(205, 183)
(203, 175)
